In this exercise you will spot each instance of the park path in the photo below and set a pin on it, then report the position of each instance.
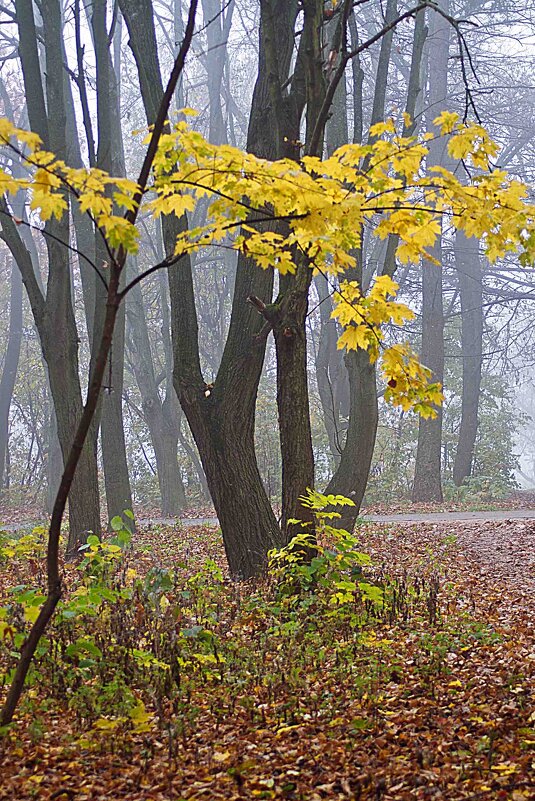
(413, 517)
(416, 517)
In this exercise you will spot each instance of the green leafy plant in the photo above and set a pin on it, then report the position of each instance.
(335, 567)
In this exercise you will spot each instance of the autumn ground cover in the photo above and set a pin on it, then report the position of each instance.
(408, 678)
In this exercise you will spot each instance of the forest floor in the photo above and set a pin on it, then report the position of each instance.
(429, 696)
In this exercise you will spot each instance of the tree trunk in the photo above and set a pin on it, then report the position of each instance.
(351, 475)
(11, 363)
(173, 497)
(427, 487)
(292, 398)
(224, 440)
(54, 465)
(171, 486)
(53, 314)
(468, 269)
(109, 158)
(114, 460)
(163, 430)
(217, 19)
(222, 417)
(59, 340)
(331, 374)
(289, 321)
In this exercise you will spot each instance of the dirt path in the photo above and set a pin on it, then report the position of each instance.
(499, 553)
(500, 544)
(503, 549)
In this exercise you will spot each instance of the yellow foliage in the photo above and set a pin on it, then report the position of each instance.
(316, 211)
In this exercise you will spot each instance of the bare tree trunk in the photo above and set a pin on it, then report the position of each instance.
(289, 321)
(331, 374)
(11, 362)
(468, 268)
(297, 455)
(110, 158)
(163, 433)
(218, 19)
(173, 492)
(427, 485)
(54, 465)
(351, 475)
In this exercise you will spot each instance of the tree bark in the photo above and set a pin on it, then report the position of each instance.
(289, 322)
(469, 276)
(11, 363)
(221, 416)
(217, 19)
(109, 158)
(427, 487)
(293, 400)
(162, 428)
(331, 375)
(351, 475)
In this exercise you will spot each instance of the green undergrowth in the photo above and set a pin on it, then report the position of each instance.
(158, 662)
(138, 647)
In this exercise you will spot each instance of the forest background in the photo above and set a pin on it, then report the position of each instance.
(478, 335)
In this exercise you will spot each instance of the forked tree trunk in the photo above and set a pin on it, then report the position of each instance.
(224, 440)
(222, 421)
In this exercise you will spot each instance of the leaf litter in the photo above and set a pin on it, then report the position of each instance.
(430, 698)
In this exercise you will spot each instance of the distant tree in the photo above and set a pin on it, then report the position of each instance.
(428, 476)
(11, 363)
